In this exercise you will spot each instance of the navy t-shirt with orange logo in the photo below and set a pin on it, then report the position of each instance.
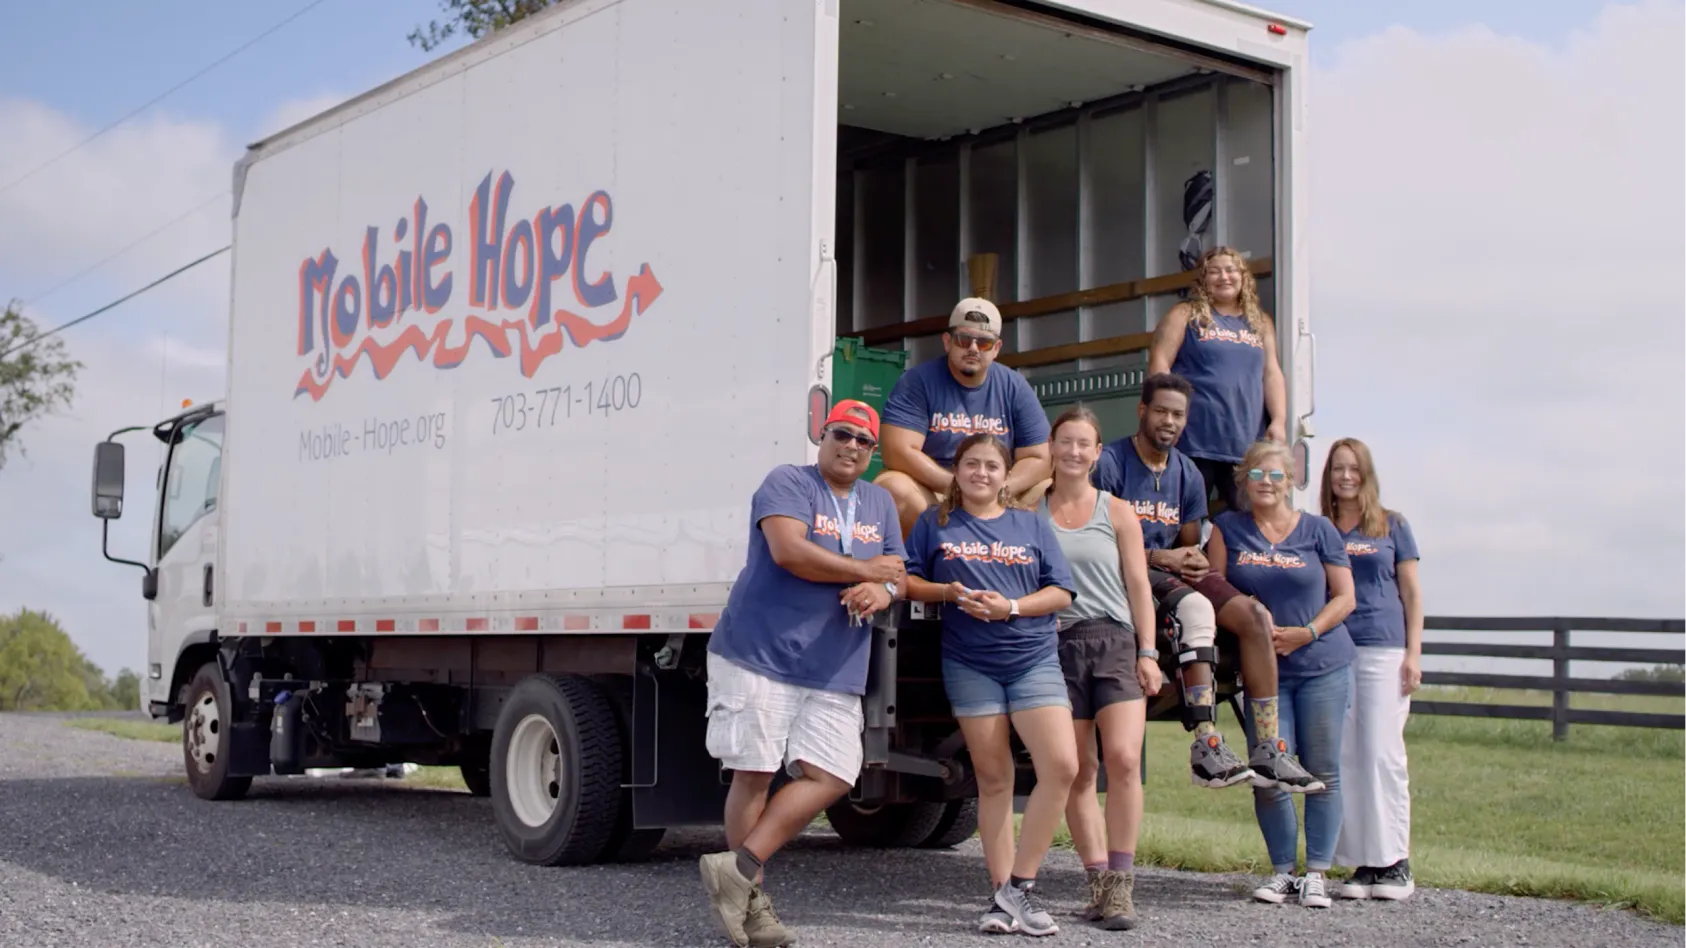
(1289, 579)
(927, 398)
(788, 628)
(1225, 363)
(1014, 554)
(1379, 618)
(1163, 501)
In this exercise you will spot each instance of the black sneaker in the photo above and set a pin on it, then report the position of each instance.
(1394, 882)
(1274, 767)
(1358, 887)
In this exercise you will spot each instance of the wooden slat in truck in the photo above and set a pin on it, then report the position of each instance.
(514, 337)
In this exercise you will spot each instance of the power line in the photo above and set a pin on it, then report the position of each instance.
(113, 304)
(160, 97)
(123, 250)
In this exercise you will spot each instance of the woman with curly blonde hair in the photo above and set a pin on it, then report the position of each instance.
(1223, 342)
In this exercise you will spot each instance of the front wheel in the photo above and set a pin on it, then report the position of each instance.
(556, 771)
(207, 739)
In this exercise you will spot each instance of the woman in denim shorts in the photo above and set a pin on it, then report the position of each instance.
(1001, 577)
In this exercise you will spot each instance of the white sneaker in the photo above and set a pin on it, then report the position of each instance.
(1276, 890)
(1312, 891)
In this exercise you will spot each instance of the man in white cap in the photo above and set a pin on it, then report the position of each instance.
(937, 404)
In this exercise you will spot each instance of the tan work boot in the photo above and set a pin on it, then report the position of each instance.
(1099, 885)
(728, 893)
(763, 927)
(1118, 912)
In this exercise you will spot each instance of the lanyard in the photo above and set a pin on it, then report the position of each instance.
(845, 525)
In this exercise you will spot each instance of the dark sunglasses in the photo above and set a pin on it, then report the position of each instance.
(966, 340)
(1276, 476)
(844, 436)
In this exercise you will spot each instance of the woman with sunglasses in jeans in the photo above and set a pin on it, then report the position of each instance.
(1296, 564)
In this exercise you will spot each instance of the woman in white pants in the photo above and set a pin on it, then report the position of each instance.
(1387, 629)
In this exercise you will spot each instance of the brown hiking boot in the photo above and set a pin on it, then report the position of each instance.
(763, 927)
(1118, 912)
(1099, 883)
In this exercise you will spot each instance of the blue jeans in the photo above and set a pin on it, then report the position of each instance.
(1311, 713)
(974, 694)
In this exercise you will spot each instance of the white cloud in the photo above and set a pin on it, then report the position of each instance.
(1497, 240)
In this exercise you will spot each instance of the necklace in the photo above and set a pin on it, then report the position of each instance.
(1074, 522)
(1136, 442)
(1266, 529)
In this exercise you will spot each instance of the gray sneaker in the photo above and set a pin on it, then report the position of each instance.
(996, 921)
(1212, 764)
(1274, 767)
(1019, 901)
(728, 893)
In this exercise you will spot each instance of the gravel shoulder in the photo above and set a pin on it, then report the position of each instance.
(102, 843)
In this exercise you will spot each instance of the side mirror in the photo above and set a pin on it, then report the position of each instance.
(149, 585)
(108, 480)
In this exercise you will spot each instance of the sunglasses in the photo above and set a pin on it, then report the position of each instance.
(843, 436)
(966, 340)
(1276, 477)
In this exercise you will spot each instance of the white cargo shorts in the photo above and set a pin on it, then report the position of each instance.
(755, 724)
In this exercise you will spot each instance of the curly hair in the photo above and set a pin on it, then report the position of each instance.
(1200, 304)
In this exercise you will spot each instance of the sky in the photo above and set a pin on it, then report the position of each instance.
(1497, 237)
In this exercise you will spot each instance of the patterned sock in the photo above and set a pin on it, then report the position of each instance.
(1264, 719)
(1120, 862)
(1198, 695)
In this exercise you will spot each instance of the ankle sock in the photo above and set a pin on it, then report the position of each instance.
(1096, 866)
(1120, 862)
(1020, 882)
(749, 865)
(1264, 719)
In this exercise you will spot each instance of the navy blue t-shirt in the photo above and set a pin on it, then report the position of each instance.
(1014, 554)
(785, 627)
(1379, 618)
(1163, 501)
(927, 398)
(1290, 581)
(1225, 364)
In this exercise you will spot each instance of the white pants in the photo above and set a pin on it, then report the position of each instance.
(1375, 783)
(756, 723)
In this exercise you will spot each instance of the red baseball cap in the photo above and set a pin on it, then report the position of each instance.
(855, 413)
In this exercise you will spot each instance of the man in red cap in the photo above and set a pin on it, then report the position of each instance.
(787, 662)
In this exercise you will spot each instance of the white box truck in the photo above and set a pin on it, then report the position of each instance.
(513, 339)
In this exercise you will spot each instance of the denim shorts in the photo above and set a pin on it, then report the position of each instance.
(975, 694)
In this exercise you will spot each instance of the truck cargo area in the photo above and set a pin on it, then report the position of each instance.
(1061, 146)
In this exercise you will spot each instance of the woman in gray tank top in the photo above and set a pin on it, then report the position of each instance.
(1106, 649)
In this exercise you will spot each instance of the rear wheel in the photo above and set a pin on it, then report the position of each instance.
(555, 771)
(959, 822)
(207, 738)
(886, 826)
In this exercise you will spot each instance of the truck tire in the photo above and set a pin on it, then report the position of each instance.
(556, 769)
(205, 735)
(959, 822)
(889, 826)
(625, 843)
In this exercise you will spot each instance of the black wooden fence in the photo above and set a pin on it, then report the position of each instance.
(1560, 653)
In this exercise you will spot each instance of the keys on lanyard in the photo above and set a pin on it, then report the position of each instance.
(846, 534)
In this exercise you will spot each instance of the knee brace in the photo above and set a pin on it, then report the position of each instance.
(1189, 653)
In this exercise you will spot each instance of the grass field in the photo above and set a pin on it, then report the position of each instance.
(1497, 805)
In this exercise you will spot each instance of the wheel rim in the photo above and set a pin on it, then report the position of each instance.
(204, 732)
(533, 770)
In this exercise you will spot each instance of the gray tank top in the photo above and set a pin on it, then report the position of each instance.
(1091, 551)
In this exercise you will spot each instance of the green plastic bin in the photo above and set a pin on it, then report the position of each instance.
(865, 373)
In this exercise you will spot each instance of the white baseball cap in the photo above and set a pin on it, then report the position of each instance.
(967, 311)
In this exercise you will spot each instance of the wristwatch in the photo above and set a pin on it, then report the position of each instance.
(891, 589)
(1152, 653)
(1012, 608)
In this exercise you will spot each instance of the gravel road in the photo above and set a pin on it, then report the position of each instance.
(101, 843)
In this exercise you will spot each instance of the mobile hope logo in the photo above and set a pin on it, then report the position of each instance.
(513, 271)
